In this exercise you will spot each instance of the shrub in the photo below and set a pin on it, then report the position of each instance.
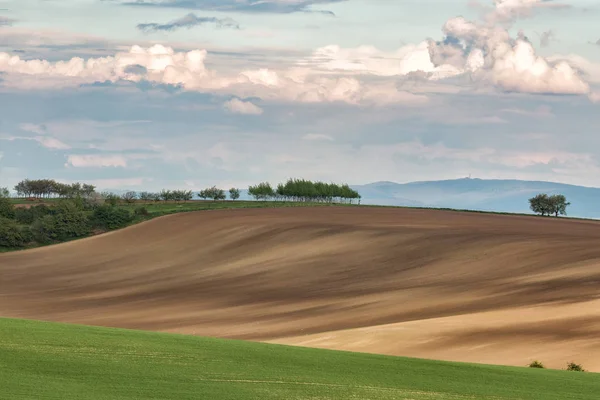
(536, 364)
(574, 367)
(108, 217)
(64, 221)
(7, 208)
(111, 198)
(142, 211)
(28, 215)
(11, 234)
(64, 224)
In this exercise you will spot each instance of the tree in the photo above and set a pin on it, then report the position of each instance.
(109, 218)
(549, 205)
(111, 198)
(11, 235)
(146, 197)
(558, 204)
(7, 208)
(129, 197)
(213, 193)
(4, 192)
(234, 194)
(540, 204)
(262, 191)
(66, 222)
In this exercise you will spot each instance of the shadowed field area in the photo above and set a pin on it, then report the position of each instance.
(434, 284)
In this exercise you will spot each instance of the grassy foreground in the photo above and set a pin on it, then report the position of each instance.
(42, 360)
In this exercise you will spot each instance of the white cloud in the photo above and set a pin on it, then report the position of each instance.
(370, 60)
(482, 51)
(595, 97)
(51, 143)
(46, 141)
(517, 68)
(94, 160)
(238, 106)
(317, 137)
(39, 129)
(508, 10)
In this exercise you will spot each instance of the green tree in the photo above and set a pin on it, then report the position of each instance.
(66, 222)
(11, 235)
(4, 192)
(108, 217)
(262, 191)
(7, 208)
(129, 197)
(558, 204)
(549, 205)
(540, 204)
(234, 194)
(111, 198)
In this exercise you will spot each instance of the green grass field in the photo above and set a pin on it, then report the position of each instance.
(42, 360)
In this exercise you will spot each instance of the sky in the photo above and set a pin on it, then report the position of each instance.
(152, 94)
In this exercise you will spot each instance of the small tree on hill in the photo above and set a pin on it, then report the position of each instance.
(234, 193)
(558, 204)
(549, 205)
(129, 197)
(214, 193)
(540, 204)
(262, 191)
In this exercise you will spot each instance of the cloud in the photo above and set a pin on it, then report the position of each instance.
(246, 6)
(164, 66)
(370, 60)
(95, 160)
(317, 137)
(188, 21)
(238, 106)
(51, 143)
(595, 97)
(46, 141)
(598, 42)
(510, 10)
(471, 54)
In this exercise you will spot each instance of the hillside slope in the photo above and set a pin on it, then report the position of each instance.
(281, 274)
(40, 360)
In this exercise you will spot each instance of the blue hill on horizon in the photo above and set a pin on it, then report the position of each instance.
(510, 195)
(480, 194)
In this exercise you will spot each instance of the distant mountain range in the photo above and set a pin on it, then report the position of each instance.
(480, 194)
(473, 194)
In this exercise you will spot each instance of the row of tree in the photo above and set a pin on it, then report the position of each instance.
(48, 188)
(306, 191)
(292, 190)
(544, 204)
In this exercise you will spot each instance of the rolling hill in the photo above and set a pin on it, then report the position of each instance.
(40, 360)
(434, 284)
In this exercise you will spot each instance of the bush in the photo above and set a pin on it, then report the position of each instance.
(575, 367)
(7, 208)
(28, 215)
(66, 222)
(536, 364)
(108, 217)
(141, 211)
(11, 234)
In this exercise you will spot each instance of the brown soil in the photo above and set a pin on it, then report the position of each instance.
(436, 284)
